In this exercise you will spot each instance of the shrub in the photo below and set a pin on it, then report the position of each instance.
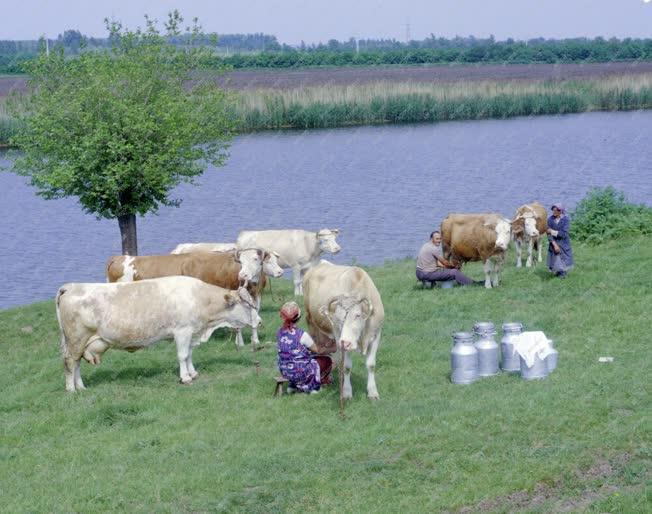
(605, 214)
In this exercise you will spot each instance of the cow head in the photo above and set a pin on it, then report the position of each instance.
(525, 223)
(326, 238)
(348, 315)
(503, 228)
(251, 264)
(242, 310)
(271, 267)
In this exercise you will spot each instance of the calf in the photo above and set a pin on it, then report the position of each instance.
(529, 225)
(130, 316)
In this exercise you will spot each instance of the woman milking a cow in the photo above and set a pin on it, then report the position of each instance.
(560, 254)
(300, 359)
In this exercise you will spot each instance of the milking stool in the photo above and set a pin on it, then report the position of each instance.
(280, 382)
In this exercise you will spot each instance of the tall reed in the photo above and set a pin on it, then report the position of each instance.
(390, 102)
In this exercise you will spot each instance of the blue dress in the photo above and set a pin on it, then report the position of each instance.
(563, 261)
(296, 362)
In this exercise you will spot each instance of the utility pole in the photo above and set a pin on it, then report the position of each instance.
(357, 46)
(407, 31)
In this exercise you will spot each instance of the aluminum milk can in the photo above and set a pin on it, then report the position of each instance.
(511, 360)
(464, 359)
(538, 369)
(487, 348)
(551, 359)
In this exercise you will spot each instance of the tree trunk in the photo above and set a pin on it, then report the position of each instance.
(127, 225)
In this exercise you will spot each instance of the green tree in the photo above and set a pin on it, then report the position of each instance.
(119, 129)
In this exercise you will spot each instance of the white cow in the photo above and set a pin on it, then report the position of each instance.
(343, 304)
(528, 226)
(203, 247)
(133, 315)
(298, 250)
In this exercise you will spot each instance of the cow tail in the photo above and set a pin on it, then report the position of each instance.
(63, 346)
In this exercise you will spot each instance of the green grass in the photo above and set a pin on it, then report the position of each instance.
(138, 441)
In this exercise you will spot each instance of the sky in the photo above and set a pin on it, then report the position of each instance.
(293, 21)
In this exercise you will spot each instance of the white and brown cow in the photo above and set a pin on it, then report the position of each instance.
(528, 226)
(343, 305)
(203, 247)
(228, 270)
(298, 250)
(133, 315)
(478, 237)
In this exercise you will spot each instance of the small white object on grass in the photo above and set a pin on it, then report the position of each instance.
(606, 359)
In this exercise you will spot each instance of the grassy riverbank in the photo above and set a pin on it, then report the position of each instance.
(391, 102)
(336, 105)
(137, 441)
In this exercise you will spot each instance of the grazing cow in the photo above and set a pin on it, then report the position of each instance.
(226, 270)
(529, 224)
(478, 237)
(203, 247)
(296, 249)
(130, 316)
(343, 304)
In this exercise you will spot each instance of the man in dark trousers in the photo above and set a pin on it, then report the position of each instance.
(432, 266)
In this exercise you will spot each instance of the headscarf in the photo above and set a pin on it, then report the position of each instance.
(290, 314)
(559, 206)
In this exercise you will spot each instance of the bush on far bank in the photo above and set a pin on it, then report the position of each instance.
(604, 213)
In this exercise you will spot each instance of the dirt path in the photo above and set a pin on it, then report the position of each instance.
(293, 78)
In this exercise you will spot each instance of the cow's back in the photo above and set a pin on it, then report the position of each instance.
(293, 246)
(470, 237)
(218, 269)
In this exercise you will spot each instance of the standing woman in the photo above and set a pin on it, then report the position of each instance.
(298, 355)
(560, 253)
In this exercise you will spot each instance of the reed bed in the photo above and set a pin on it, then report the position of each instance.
(390, 102)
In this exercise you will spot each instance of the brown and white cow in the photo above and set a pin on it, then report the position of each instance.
(478, 237)
(298, 250)
(228, 270)
(343, 305)
(528, 226)
(130, 316)
(204, 247)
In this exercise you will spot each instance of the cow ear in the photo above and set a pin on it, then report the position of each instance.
(367, 308)
(335, 231)
(237, 256)
(229, 300)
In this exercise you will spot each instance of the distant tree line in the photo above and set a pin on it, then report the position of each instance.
(264, 51)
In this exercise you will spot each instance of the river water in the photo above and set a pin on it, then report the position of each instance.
(385, 187)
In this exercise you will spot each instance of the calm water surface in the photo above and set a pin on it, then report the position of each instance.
(386, 188)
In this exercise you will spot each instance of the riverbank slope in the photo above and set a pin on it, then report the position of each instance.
(137, 440)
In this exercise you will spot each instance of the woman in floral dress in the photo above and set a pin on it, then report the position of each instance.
(297, 354)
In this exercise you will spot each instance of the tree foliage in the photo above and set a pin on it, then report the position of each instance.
(605, 214)
(119, 129)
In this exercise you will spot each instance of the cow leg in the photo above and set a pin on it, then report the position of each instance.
(254, 331)
(539, 245)
(182, 340)
(79, 384)
(488, 267)
(497, 266)
(70, 367)
(296, 276)
(239, 340)
(347, 392)
(530, 244)
(191, 369)
(372, 391)
(519, 252)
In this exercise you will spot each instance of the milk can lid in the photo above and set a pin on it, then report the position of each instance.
(463, 336)
(484, 327)
(512, 326)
